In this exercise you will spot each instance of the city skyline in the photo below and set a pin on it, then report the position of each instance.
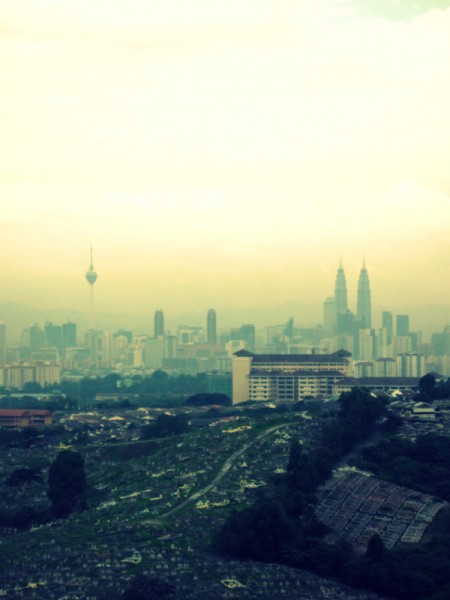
(346, 316)
(230, 155)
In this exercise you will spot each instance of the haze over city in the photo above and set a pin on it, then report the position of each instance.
(226, 155)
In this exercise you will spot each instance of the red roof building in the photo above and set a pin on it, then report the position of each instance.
(25, 418)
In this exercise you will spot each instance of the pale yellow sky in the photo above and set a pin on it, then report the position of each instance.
(222, 153)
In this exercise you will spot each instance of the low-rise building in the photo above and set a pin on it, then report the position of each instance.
(25, 418)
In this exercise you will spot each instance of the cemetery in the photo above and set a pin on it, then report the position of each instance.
(153, 506)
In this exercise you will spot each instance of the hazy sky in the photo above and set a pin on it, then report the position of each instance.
(222, 153)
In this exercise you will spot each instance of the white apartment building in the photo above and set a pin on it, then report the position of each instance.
(15, 376)
(286, 377)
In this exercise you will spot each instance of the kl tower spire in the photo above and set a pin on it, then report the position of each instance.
(91, 278)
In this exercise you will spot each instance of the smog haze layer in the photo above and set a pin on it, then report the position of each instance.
(225, 154)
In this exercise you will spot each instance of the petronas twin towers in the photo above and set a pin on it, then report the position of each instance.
(338, 318)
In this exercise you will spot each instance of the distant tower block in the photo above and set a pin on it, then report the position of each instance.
(340, 290)
(158, 323)
(91, 278)
(211, 327)
(364, 310)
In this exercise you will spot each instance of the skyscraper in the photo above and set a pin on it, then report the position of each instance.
(387, 323)
(246, 333)
(363, 308)
(401, 325)
(211, 327)
(91, 278)
(158, 323)
(2, 343)
(340, 291)
(330, 316)
(69, 335)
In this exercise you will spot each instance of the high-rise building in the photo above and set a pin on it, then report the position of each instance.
(91, 278)
(330, 316)
(385, 367)
(37, 337)
(289, 328)
(69, 335)
(366, 345)
(387, 322)
(53, 336)
(363, 309)
(211, 327)
(158, 323)
(410, 364)
(401, 325)
(247, 334)
(340, 290)
(2, 343)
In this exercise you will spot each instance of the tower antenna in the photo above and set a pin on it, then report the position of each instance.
(91, 278)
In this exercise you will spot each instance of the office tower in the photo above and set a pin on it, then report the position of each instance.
(363, 309)
(2, 335)
(94, 342)
(401, 325)
(37, 337)
(158, 323)
(2, 343)
(211, 327)
(366, 344)
(416, 340)
(69, 335)
(289, 328)
(382, 348)
(170, 350)
(247, 334)
(340, 291)
(387, 322)
(402, 344)
(441, 342)
(330, 316)
(53, 336)
(91, 278)
(346, 323)
(154, 352)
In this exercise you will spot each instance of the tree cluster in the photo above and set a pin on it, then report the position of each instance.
(206, 399)
(166, 425)
(67, 484)
(430, 390)
(422, 465)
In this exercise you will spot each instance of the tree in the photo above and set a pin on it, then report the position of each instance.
(142, 587)
(427, 383)
(259, 532)
(67, 483)
(24, 475)
(359, 411)
(205, 399)
(166, 425)
(375, 549)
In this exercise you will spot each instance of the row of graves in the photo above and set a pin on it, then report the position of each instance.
(356, 506)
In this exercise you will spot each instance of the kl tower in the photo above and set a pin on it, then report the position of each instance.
(91, 278)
